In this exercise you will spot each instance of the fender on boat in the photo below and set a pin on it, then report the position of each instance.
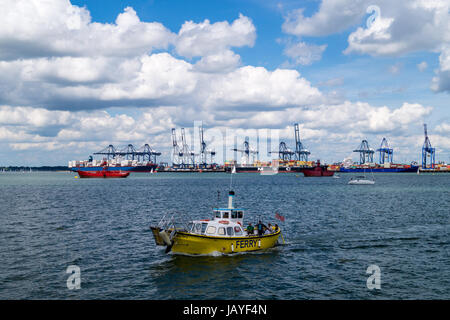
(165, 237)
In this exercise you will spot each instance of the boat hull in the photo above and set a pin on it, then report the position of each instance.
(318, 172)
(146, 168)
(195, 244)
(102, 174)
(361, 182)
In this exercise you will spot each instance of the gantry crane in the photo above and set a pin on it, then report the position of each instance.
(204, 152)
(246, 151)
(301, 153)
(427, 150)
(365, 152)
(386, 152)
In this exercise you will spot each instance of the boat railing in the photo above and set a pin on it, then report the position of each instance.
(173, 221)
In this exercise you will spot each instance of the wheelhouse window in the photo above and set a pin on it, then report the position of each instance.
(230, 231)
(218, 214)
(211, 230)
(226, 215)
(221, 231)
(240, 214)
(233, 214)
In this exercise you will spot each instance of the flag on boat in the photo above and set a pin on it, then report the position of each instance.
(279, 217)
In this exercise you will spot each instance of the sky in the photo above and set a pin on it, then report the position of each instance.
(77, 76)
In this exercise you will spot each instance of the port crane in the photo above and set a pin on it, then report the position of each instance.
(301, 153)
(109, 152)
(177, 155)
(284, 153)
(188, 155)
(386, 152)
(246, 151)
(147, 153)
(130, 153)
(427, 150)
(365, 152)
(204, 152)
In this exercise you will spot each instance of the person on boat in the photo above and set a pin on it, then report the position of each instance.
(269, 228)
(275, 229)
(261, 228)
(250, 229)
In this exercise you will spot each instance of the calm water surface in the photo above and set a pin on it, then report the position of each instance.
(333, 232)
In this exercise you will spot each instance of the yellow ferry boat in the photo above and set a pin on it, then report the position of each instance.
(222, 234)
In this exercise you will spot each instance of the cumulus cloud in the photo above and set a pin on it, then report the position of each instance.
(213, 41)
(257, 87)
(333, 16)
(303, 53)
(443, 128)
(344, 118)
(224, 61)
(403, 27)
(391, 28)
(422, 66)
(149, 80)
(61, 73)
(441, 82)
(33, 28)
(111, 65)
(203, 39)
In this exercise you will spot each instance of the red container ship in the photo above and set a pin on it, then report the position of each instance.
(105, 173)
(317, 171)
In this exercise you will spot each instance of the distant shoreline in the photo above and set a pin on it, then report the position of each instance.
(27, 169)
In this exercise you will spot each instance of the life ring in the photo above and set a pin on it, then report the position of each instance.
(288, 169)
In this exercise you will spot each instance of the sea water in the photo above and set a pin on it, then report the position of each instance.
(333, 232)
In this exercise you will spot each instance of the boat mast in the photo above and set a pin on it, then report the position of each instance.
(230, 199)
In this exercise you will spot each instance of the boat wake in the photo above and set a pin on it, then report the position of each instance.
(223, 254)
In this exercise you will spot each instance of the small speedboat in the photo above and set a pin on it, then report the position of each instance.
(223, 234)
(105, 173)
(361, 180)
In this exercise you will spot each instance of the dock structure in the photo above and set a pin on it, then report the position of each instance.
(386, 152)
(427, 151)
(365, 152)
